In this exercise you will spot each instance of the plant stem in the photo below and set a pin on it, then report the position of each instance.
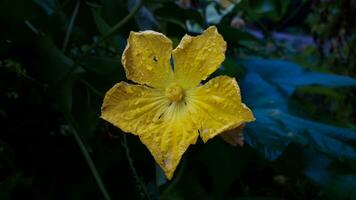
(92, 88)
(142, 187)
(121, 23)
(87, 157)
(70, 26)
(139, 183)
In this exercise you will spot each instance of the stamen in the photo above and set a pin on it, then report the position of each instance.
(174, 92)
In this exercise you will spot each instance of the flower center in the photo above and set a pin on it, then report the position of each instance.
(174, 92)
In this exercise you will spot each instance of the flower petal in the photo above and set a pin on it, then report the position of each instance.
(146, 58)
(196, 58)
(220, 107)
(165, 128)
(133, 107)
(168, 141)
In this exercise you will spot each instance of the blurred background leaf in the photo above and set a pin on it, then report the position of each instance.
(294, 60)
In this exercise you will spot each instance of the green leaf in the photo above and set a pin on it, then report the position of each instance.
(230, 68)
(86, 110)
(337, 182)
(271, 9)
(223, 164)
(235, 36)
(101, 24)
(171, 11)
(267, 87)
(52, 65)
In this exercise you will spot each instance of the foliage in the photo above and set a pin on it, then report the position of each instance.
(333, 25)
(58, 57)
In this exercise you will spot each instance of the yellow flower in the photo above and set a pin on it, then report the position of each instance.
(169, 108)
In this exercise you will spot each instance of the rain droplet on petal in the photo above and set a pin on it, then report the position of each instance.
(205, 131)
(217, 99)
(129, 90)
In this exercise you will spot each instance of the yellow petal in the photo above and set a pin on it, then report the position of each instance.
(220, 107)
(165, 128)
(169, 140)
(196, 58)
(146, 58)
(132, 107)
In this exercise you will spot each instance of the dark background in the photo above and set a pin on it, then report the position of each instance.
(294, 61)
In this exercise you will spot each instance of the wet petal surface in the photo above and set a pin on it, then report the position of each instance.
(220, 107)
(165, 127)
(169, 140)
(171, 112)
(146, 58)
(196, 58)
(133, 107)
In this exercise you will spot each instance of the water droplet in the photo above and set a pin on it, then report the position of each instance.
(217, 99)
(205, 131)
(129, 90)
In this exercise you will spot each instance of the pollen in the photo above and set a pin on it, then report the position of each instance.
(174, 92)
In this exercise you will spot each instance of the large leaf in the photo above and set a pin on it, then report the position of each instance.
(267, 88)
(69, 95)
(216, 162)
(336, 183)
(275, 129)
(52, 66)
(265, 9)
(273, 81)
(287, 76)
(234, 36)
